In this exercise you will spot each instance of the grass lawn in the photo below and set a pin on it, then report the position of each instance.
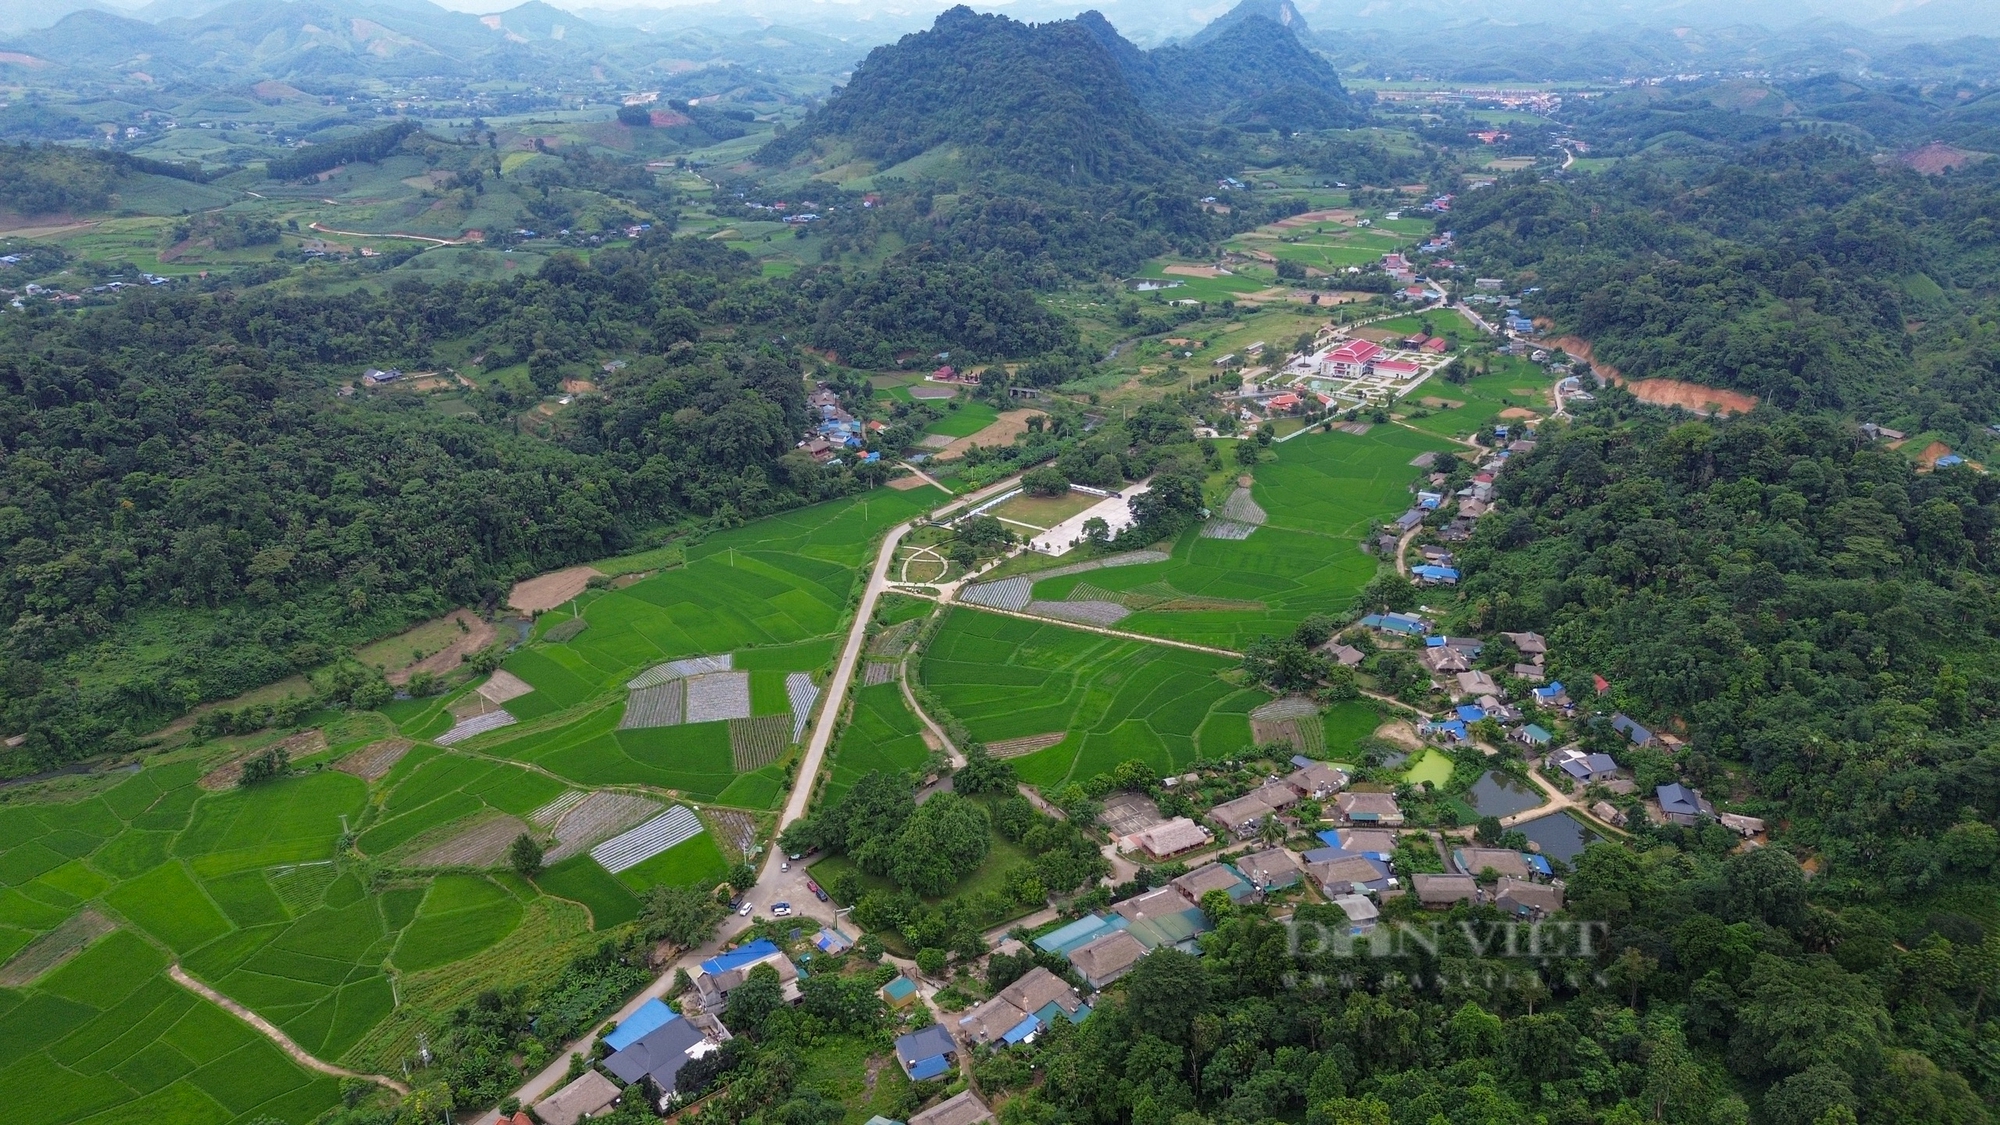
(1514, 384)
(1043, 511)
(1110, 700)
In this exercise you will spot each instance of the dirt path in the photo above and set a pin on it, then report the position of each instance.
(927, 477)
(1119, 633)
(324, 229)
(951, 750)
(1403, 550)
(271, 1032)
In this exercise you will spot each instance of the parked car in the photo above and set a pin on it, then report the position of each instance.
(812, 886)
(820, 893)
(781, 909)
(744, 911)
(785, 866)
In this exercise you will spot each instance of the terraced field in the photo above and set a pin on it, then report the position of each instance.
(1321, 497)
(1007, 678)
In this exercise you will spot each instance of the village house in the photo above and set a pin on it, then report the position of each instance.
(1500, 861)
(660, 1055)
(927, 1052)
(1369, 808)
(1477, 684)
(1270, 870)
(1531, 735)
(720, 975)
(1446, 661)
(1169, 838)
(1347, 656)
(1441, 892)
(959, 1109)
(1339, 873)
(1105, 959)
(1527, 900)
(1018, 1011)
(1533, 673)
(1315, 780)
(1362, 913)
(588, 1095)
(1528, 644)
(1608, 813)
(1624, 725)
(1213, 877)
(1581, 767)
(1682, 805)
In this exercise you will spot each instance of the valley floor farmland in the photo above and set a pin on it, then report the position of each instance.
(1109, 700)
(1322, 495)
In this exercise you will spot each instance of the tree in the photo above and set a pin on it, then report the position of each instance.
(943, 841)
(685, 916)
(982, 773)
(1247, 453)
(1166, 992)
(271, 763)
(1286, 664)
(1316, 630)
(1045, 481)
(1096, 532)
(742, 877)
(930, 961)
(636, 116)
(525, 855)
(753, 1001)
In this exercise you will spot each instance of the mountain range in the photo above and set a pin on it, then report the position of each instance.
(1070, 101)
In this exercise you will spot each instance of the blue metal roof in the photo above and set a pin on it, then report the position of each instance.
(1023, 1030)
(739, 957)
(640, 1024)
(1538, 863)
(929, 1068)
(1471, 713)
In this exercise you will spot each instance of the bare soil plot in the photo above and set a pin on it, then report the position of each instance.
(1400, 733)
(503, 685)
(1692, 396)
(373, 761)
(479, 845)
(1002, 431)
(935, 441)
(1516, 412)
(598, 817)
(1309, 218)
(1016, 747)
(757, 742)
(54, 948)
(1929, 455)
(1193, 271)
(932, 392)
(905, 484)
(547, 591)
(297, 746)
(1126, 813)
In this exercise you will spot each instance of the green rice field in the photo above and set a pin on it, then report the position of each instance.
(882, 735)
(1324, 494)
(1346, 725)
(968, 419)
(1112, 700)
(778, 581)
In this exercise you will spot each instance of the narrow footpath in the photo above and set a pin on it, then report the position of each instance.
(270, 1031)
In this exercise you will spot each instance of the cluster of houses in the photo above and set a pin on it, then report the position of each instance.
(656, 1042)
(832, 430)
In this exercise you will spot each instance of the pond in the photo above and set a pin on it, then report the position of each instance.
(1432, 767)
(1496, 794)
(1560, 836)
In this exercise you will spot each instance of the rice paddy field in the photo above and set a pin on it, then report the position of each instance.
(1323, 494)
(1112, 700)
(777, 581)
(103, 885)
(882, 734)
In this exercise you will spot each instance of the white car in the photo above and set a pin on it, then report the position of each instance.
(781, 909)
(785, 866)
(744, 912)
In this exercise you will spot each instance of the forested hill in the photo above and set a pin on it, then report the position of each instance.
(1067, 103)
(1043, 101)
(1246, 68)
(1803, 272)
(189, 510)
